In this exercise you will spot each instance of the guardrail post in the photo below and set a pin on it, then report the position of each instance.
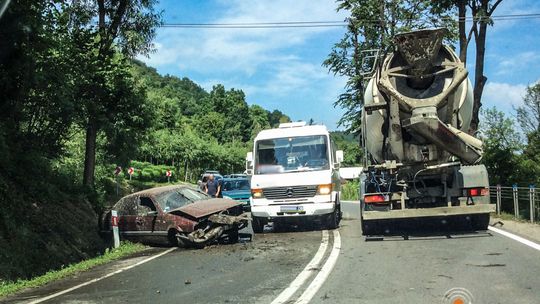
(516, 203)
(498, 199)
(114, 224)
(531, 202)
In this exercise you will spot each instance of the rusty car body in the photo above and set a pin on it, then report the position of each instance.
(178, 215)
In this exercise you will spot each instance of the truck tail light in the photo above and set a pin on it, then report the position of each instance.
(477, 192)
(324, 189)
(257, 193)
(375, 198)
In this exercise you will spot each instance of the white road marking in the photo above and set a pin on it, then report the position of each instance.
(516, 238)
(54, 295)
(321, 277)
(286, 294)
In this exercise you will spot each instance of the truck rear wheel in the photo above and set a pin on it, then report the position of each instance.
(480, 221)
(257, 224)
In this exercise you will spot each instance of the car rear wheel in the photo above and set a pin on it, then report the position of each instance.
(257, 224)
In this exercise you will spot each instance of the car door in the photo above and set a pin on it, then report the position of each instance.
(149, 221)
(127, 213)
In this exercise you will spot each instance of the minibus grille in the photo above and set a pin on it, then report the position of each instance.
(290, 192)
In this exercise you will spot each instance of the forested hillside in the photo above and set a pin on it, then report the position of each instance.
(75, 105)
(194, 130)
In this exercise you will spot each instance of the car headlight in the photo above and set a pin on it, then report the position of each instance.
(324, 189)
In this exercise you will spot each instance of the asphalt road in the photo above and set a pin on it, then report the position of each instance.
(493, 268)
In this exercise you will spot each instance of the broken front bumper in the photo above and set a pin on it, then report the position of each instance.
(218, 224)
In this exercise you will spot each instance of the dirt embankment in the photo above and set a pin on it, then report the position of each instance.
(40, 233)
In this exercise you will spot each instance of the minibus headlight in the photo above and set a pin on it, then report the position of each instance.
(257, 193)
(324, 189)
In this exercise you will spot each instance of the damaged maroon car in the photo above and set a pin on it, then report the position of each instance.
(180, 215)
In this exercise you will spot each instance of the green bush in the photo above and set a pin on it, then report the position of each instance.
(349, 191)
(146, 172)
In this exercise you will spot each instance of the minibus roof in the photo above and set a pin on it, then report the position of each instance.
(292, 132)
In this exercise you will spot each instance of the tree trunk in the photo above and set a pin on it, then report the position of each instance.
(90, 154)
(479, 78)
(186, 170)
(463, 39)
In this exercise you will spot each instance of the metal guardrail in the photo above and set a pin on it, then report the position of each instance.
(523, 202)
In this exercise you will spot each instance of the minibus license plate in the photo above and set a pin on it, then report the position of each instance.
(291, 209)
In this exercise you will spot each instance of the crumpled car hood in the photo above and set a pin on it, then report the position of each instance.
(204, 208)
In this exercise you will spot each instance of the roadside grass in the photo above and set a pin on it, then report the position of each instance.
(125, 249)
(349, 191)
(505, 216)
(510, 217)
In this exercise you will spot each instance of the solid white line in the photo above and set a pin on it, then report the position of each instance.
(516, 238)
(54, 295)
(286, 294)
(324, 273)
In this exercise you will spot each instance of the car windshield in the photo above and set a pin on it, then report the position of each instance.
(292, 154)
(178, 198)
(231, 185)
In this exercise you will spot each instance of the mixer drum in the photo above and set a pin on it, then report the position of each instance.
(414, 93)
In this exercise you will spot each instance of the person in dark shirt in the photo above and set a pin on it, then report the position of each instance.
(212, 187)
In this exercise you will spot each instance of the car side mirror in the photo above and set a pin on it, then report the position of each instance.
(152, 213)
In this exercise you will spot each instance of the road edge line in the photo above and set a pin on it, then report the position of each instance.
(54, 295)
(302, 277)
(516, 238)
(321, 277)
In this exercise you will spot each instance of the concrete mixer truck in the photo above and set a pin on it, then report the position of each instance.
(421, 162)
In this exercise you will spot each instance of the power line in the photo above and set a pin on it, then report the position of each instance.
(332, 23)
(251, 26)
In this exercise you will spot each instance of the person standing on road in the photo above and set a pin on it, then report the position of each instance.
(212, 187)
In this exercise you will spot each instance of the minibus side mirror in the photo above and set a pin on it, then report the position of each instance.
(339, 156)
(249, 163)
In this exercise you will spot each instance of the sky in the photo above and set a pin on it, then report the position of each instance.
(282, 68)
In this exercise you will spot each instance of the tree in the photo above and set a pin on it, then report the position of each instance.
(352, 151)
(372, 25)
(501, 146)
(124, 25)
(481, 12)
(232, 104)
(211, 125)
(528, 114)
(35, 61)
(259, 119)
(276, 117)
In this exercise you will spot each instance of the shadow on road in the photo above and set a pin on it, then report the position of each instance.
(277, 227)
(427, 229)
